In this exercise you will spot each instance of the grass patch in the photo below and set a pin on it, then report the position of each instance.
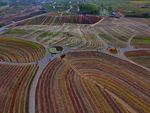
(138, 39)
(140, 2)
(17, 31)
(55, 50)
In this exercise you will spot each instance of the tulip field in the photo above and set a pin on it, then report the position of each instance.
(55, 63)
(141, 56)
(15, 82)
(92, 82)
(114, 32)
(59, 20)
(16, 50)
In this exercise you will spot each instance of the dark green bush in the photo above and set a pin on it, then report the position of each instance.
(89, 9)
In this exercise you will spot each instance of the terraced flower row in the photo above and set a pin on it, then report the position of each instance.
(59, 20)
(117, 32)
(22, 33)
(71, 39)
(15, 83)
(92, 82)
(141, 57)
(16, 50)
(141, 41)
(110, 32)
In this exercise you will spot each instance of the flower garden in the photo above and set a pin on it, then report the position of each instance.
(17, 50)
(15, 82)
(140, 56)
(75, 68)
(59, 20)
(92, 82)
(141, 41)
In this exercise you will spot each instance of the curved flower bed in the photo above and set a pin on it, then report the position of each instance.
(15, 83)
(92, 82)
(141, 57)
(141, 41)
(58, 20)
(16, 50)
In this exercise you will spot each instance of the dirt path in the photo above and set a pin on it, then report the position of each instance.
(97, 22)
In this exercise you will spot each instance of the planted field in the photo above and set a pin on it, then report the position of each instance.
(59, 20)
(15, 83)
(140, 2)
(22, 33)
(73, 37)
(141, 41)
(110, 32)
(141, 57)
(91, 82)
(16, 50)
(142, 20)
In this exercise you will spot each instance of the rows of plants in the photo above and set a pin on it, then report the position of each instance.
(112, 39)
(140, 29)
(141, 57)
(118, 32)
(81, 19)
(16, 32)
(142, 20)
(92, 82)
(15, 82)
(91, 41)
(71, 40)
(141, 41)
(59, 20)
(112, 31)
(22, 33)
(16, 50)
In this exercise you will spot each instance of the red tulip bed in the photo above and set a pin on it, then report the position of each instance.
(15, 82)
(59, 20)
(92, 82)
(16, 50)
(141, 57)
(81, 19)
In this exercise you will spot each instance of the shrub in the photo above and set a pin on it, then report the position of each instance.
(89, 9)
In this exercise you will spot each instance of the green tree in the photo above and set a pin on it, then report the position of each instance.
(89, 8)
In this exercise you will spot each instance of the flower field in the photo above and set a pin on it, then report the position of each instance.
(141, 41)
(15, 81)
(16, 50)
(59, 20)
(142, 20)
(111, 31)
(71, 38)
(92, 82)
(21, 33)
(141, 57)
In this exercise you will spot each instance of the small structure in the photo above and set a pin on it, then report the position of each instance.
(114, 14)
(112, 50)
(55, 49)
(62, 56)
